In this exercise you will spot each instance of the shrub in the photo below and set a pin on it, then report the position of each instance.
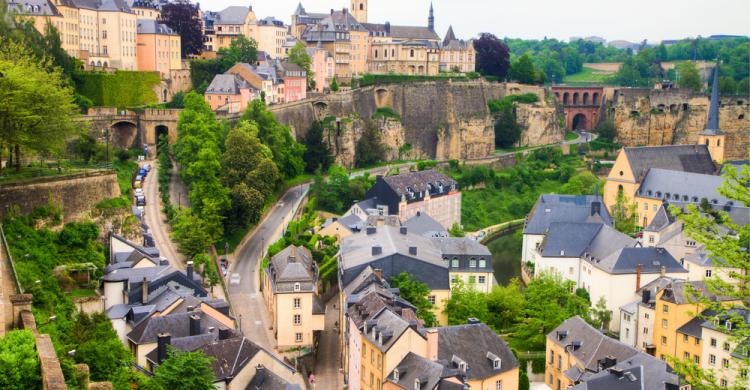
(105, 89)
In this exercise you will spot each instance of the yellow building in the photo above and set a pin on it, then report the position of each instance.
(457, 55)
(344, 37)
(221, 27)
(577, 353)
(290, 291)
(359, 10)
(145, 9)
(341, 227)
(412, 57)
(633, 164)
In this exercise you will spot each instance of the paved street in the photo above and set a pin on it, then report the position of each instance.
(157, 221)
(328, 360)
(244, 292)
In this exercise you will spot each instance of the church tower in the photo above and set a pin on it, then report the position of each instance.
(431, 19)
(711, 136)
(359, 10)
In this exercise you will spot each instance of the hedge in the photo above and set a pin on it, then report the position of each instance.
(373, 79)
(119, 89)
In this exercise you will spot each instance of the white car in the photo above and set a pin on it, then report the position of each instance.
(138, 192)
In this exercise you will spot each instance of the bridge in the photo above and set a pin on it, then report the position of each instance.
(582, 105)
(129, 128)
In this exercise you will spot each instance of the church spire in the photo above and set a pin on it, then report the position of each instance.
(449, 36)
(712, 124)
(431, 19)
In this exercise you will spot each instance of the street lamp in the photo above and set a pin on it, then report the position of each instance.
(105, 133)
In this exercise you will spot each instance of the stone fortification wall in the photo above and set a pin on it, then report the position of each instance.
(76, 193)
(667, 117)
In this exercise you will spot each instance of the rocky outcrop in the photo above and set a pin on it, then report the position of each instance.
(667, 117)
(442, 120)
(541, 124)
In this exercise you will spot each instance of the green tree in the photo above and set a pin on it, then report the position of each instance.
(466, 302)
(287, 152)
(523, 70)
(624, 213)
(185, 370)
(97, 345)
(334, 85)
(583, 183)
(37, 106)
(317, 153)
(191, 233)
(690, 78)
(369, 149)
(727, 86)
(298, 55)
(247, 206)
(600, 315)
(606, 130)
(240, 50)
(505, 305)
(19, 365)
(415, 292)
(456, 231)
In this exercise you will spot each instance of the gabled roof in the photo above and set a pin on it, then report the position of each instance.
(686, 158)
(227, 84)
(650, 260)
(461, 246)
(551, 208)
(422, 181)
(177, 325)
(148, 26)
(640, 372)
(694, 326)
(425, 225)
(682, 292)
(292, 264)
(230, 355)
(449, 36)
(387, 327)
(266, 379)
(474, 344)
(403, 32)
(33, 7)
(233, 15)
(661, 220)
(374, 301)
(414, 367)
(682, 186)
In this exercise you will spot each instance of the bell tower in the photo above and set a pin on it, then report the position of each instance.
(359, 10)
(712, 136)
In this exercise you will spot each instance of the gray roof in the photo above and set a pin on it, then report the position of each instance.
(712, 123)
(226, 84)
(233, 15)
(699, 258)
(661, 220)
(103, 5)
(682, 292)
(694, 326)
(403, 32)
(686, 158)
(148, 26)
(461, 246)
(293, 264)
(449, 36)
(351, 222)
(133, 275)
(474, 343)
(418, 181)
(230, 355)
(414, 367)
(568, 239)
(185, 344)
(425, 225)
(33, 7)
(682, 186)
(265, 379)
(178, 325)
(651, 261)
(387, 326)
(551, 208)
(637, 373)
(362, 306)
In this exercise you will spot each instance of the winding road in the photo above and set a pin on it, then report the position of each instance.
(157, 221)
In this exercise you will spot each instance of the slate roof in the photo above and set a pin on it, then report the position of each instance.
(350, 221)
(185, 344)
(462, 246)
(227, 84)
(699, 258)
(712, 122)
(265, 379)
(694, 326)
(425, 225)
(685, 158)
(685, 186)
(551, 208)
(230, 355)
(661, 220)
(233, 15)
(651, 260)
(403, 32)
(471, 343)
(421, 181)
(294, 264)
(103, 5)
(178, 325)
(33, 7)
(387, 323)
(413, 367)
(640, 372)
(449, 36)
(681, 292)
(148, 26)
(375, 300)
(133, 275)
(568, 239)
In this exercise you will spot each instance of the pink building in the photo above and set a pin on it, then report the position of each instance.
(294, 79)
(229, 93)
(323, 67)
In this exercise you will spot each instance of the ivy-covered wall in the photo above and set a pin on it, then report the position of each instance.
(119, 89)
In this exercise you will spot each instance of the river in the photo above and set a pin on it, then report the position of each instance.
(506, 256)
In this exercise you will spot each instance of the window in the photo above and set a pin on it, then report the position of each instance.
(663, 340)
(664, 324)
(723, 382)
(472, 263)
(372, 356)
(690, 243)
(482, 279)
(380, 360)
(687, 356)
(697, 359)
(645, 315)
(650, 239)
(708, 273)
(297, 319)
(472, 279)
(297, 303)
(697, 341)
(570, 270)
(665, 308)
(712, 359)
(725, 363)
(499, 385)
(627, 332)
(454, 263)
(104, 34)
(726, 347)
(645, 206)
(552, 357)
(482, 263)
(297, 287)
(685, 338)
(298, 337)
(431, 299)
(104, 49)
(417, 385)
(364, 351)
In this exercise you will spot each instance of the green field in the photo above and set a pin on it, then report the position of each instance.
(587, 76)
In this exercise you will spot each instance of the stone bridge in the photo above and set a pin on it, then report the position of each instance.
(582, 105)
(128, 128)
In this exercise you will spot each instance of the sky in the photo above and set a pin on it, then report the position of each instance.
(632, 20)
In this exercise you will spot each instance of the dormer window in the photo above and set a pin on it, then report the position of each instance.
(417, 385)
(297, 287)
(395, 375)
(462, 366)
(496, 363)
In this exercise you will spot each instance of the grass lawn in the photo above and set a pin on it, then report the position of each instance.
(587, 76)
(82, 292)
(490, 206)
(570, 136)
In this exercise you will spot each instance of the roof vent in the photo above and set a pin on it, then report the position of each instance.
(377, 250)
(403, 230)
(413, 250)
(562, 334)
(576, 345)
(473, 321)
(371, 230)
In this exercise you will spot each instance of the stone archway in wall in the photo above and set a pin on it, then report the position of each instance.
(159, 131)
(123, 134)
(580, 122)
(382, 98)
(321, 110)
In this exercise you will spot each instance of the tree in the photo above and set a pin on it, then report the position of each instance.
(690, 78)
(624, 213)
(729, 251)
(493, 56)
(369, 149)
(600, 315)
(37, 106)
(287, 152)
(334, 85)
(185, 370)
(243, 155)
(507, 130)
(19, 365)
(298, 55)
(317, 153)
(505, 305)
(191, 233)
(607, 130)
(240, 50)
(583, 183)
(247, 206)
(465, 302)
(97, 345)
(727, 86)
(184, 19)
(415, 292)
(523, 70)
(456, 231)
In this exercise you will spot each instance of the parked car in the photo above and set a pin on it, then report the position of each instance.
(140, 200)
(139, 178)
(142, 172)
(147, 167)
(139, 192)
(224, 264)
(137, 184)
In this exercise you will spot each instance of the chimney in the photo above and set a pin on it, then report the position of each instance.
(224, 334)
(163, 341)
(144, 291)
(663, 270)
(473, 321)
(403, 230)
(596, 207)
(413, 250)
(195, 325)
(331, 11)
(190, 309)
(637, 277)
(371, 230)
(377, 250)
(292, 259)
(344, 11)
(388, 27)
(646, 297)
(190, 270)
(378, 272)
(432, 344)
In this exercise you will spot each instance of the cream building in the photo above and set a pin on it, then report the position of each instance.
(221, 27)
(290, 291)
(457, 54)
(146, 9)
(721, 353)
(271, 37)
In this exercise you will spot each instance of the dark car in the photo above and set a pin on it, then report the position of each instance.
(140, 200)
